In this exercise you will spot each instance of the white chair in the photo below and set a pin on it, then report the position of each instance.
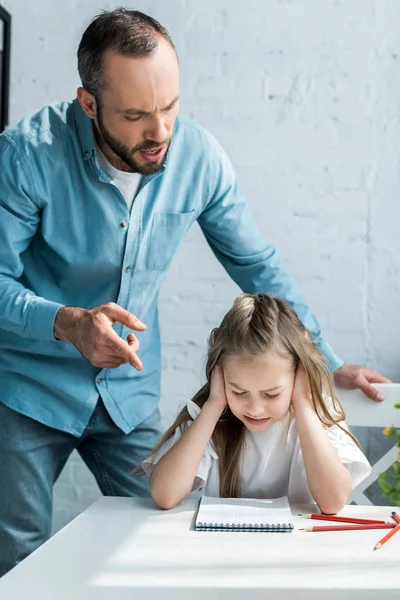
(362, 412)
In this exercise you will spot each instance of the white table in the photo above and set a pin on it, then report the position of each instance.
(124, 548)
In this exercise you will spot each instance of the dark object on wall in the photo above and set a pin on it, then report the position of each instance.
(5, 60)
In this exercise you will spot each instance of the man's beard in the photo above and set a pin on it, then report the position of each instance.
(126, 154)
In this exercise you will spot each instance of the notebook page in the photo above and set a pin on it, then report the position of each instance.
(244, 511)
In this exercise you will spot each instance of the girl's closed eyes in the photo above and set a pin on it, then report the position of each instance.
(269, 396)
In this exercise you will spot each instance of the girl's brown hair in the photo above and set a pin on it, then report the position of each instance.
(255, 325)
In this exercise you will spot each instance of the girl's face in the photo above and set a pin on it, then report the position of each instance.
(258, 389)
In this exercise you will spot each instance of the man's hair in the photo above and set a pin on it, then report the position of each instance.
(127, 32)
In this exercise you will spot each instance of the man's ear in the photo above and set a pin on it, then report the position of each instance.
(87, 102)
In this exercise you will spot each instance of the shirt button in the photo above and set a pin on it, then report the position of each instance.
(86, 154)
(123, 224)
(127, 269)
(98, 380)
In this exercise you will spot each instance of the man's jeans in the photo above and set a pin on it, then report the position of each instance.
(32, 457)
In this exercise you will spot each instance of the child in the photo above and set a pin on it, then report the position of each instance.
(266, 423)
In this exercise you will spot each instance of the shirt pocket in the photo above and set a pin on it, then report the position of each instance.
(167, 231)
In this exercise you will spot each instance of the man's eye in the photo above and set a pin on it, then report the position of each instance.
(132, 119)
(238, 393)
(271, 397)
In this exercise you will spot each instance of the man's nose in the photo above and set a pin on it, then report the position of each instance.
(157, 129)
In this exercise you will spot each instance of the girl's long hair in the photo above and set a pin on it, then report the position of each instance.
(257, 324)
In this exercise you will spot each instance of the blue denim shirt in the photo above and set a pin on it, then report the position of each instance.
(66, 238)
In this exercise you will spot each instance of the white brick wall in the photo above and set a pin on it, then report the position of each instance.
(304, 96)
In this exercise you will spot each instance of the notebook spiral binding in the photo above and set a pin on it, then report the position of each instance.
(264, 527)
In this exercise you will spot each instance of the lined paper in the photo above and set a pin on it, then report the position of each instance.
(243, 512)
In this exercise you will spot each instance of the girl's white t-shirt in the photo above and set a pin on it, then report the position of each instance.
(272, 461)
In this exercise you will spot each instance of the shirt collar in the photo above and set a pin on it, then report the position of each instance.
(84, 126)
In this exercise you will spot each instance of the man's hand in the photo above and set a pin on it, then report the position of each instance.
(91, 331)
(351, 377)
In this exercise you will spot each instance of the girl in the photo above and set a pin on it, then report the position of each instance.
(267, 422)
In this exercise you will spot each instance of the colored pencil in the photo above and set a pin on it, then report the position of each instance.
(340, 519)
(387, 537)
(396, 517)
(358, 527)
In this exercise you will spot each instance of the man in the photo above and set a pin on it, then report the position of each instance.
(95, 197)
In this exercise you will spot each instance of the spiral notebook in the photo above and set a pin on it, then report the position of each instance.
(244, 514)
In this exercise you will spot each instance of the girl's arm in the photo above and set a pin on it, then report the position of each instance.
(328, 479)
(173, 476)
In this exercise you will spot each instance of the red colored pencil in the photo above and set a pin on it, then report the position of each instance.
(387, 537)
(359, 527)
(340, 519)
(396, 517)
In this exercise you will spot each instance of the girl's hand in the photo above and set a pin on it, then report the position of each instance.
(217, 389)
(301, 393)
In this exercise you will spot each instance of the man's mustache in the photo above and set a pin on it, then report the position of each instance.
(150, 145)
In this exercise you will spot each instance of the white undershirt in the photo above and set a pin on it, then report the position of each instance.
(128, 183)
